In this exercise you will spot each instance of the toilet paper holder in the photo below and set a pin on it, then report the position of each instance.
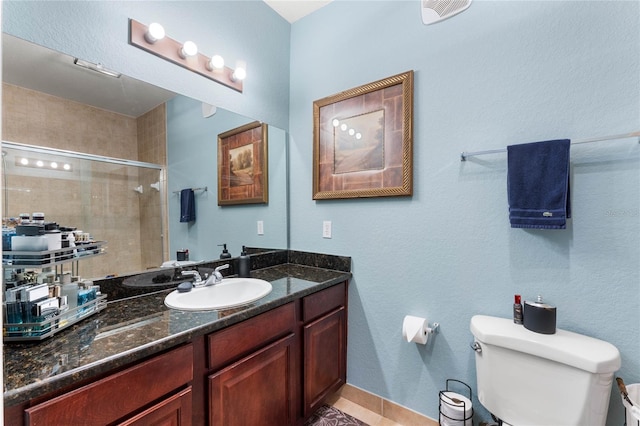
(417, 329)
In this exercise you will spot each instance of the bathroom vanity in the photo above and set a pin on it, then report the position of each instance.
(272, 362)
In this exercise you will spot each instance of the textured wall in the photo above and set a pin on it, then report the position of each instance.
(500, 73)
(188, 133)
(97, 31)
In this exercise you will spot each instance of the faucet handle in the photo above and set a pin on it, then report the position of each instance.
(216, 275)
(221, 267)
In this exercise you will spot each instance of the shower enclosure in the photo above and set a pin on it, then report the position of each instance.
(114, 200)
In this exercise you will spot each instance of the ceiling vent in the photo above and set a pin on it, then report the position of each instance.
(437, 10)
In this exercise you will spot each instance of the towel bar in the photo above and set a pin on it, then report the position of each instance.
(205, 189)
(464, 154)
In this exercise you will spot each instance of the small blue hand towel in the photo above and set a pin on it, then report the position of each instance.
(538, 184)
(187, 205)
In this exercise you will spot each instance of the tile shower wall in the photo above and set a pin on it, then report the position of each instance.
(152, 148)
(125, 223)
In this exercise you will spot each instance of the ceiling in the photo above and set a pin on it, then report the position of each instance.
(292, 10)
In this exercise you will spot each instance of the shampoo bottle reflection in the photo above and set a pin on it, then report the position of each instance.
(517, 310)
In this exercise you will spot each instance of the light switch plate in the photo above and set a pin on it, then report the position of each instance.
(260, 227)
(326, 229)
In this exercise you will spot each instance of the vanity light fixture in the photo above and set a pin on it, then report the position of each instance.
(215, 63)
(96, 67)
(240, 72)
(154, 33)
(186, 55)
(188, 50)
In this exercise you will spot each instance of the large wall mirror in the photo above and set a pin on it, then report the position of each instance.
(130, 148)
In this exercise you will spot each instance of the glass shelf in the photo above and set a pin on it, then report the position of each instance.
(41, 330)
(45, 259)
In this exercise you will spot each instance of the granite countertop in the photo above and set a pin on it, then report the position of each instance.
(135, 327)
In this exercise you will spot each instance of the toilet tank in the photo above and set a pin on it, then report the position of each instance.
(527, 378)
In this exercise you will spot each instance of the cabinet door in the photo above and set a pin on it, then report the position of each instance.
(173, 411)
(325, 358)
(117, 395)
(257, 390)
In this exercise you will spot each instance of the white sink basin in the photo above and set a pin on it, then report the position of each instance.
(227, 294)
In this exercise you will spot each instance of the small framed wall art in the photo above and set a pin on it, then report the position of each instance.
(242, 165)
(363, 141)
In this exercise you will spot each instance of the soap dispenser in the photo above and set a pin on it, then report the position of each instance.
(225, 254)
(244, 264)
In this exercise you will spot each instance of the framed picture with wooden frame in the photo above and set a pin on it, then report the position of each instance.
(243, 165)
(363, 141)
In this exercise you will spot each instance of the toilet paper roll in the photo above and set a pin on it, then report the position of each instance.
(457, 410)
(415, 329)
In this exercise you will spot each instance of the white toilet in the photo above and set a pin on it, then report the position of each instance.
(526, 378)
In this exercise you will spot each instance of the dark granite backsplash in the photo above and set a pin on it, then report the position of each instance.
(324, 261)
(118, 288)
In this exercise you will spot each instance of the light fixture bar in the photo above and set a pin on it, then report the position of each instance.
(96, 67)
(169, 49)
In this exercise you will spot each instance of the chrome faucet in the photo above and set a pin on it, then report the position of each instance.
(197, 279)
(216, 275)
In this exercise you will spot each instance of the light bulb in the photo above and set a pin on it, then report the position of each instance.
(54, 165)
(352, 132)
(343, 127)
(215, 63)
(67, 167)
(188, 49)
(154, 33)
(358, 135)
(240, 72)
(39, 163)
(24, 162)
(335, 122)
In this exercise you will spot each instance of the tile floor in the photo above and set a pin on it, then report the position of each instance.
(374, 410)
(362, 414)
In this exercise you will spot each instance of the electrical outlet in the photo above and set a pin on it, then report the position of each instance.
(326, 229)
(260, 227)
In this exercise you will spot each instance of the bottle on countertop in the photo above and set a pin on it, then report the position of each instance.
(225, 253)
(244, 264)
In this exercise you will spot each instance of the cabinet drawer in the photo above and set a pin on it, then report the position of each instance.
(118, 395)
(319, 303)
(238, 340)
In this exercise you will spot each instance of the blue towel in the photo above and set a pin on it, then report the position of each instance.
(187, 205)
(538, 184)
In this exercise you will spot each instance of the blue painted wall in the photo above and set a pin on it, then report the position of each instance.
(497, 74)
(192, 147)
(98, 31)
(500, 73)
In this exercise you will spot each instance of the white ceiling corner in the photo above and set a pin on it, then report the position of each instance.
(292, 10)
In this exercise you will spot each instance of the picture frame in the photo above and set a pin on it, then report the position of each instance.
(363, 141)
(243, 165)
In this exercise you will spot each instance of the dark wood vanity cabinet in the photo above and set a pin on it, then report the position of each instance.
(324, 345)
(277, 369)
(138, 395)
(253, 371)
(257, 390)
(273, 369)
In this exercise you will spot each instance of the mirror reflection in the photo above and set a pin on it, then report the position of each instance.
(168, 142)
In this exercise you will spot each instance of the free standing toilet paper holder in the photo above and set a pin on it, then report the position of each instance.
(455, 408)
